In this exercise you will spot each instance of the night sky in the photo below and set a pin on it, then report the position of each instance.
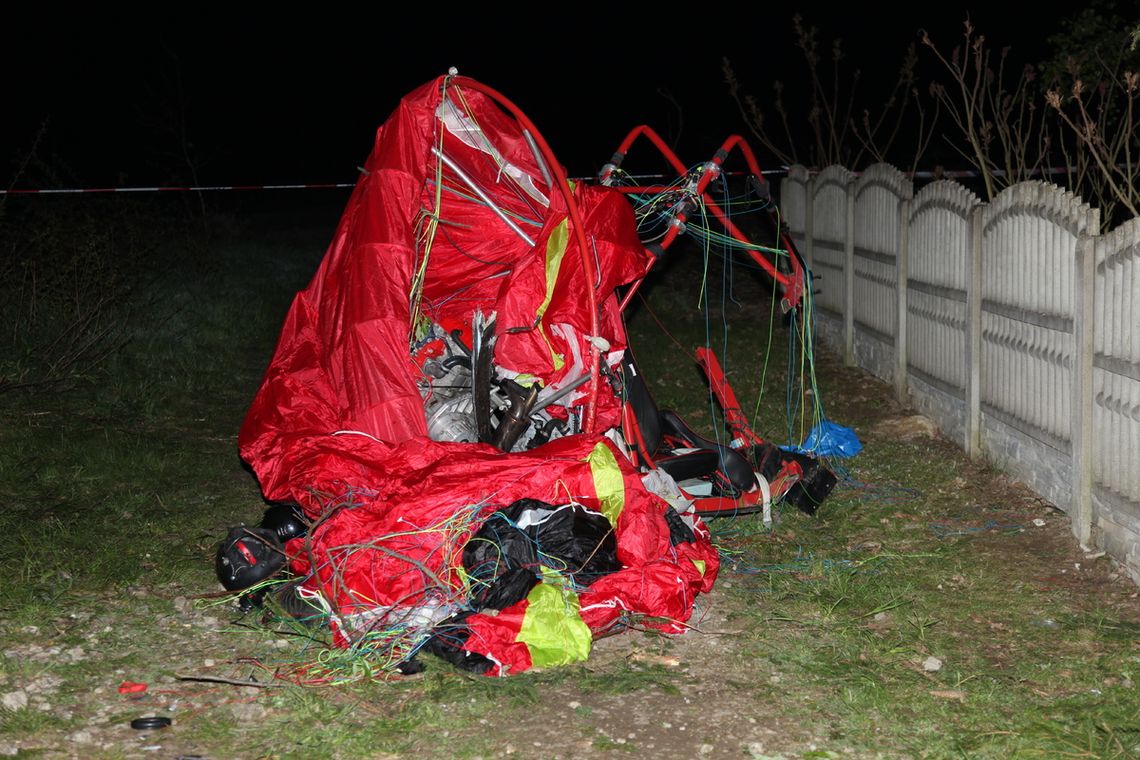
(275, 96)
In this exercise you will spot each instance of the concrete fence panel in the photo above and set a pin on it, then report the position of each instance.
(938, 276)
(877, 195)
(1115, 462)
(794, 206)
(1029, 265)
(828, 193)
(829, 236)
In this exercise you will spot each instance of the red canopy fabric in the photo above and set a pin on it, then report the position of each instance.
(338, 424)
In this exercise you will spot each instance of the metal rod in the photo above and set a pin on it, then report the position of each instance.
(483, 196)
(561, 393)
(542, 167)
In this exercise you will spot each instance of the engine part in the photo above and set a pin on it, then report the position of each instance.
(482, 351)
(516, 419)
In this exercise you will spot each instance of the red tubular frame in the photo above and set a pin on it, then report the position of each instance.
(563, 183)
(792, 285)
(715, 506)
(733, 415)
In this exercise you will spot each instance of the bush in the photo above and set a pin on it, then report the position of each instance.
(73, 272)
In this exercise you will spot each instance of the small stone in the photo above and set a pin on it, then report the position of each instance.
(248, 712)
(706, 749)
(14, 700)
(574, 704)
(932, 664)
(208, 662)
(81, 737)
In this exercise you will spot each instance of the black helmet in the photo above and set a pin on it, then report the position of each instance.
(248, 556)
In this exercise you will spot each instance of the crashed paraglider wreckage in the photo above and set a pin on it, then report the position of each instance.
(461, 452)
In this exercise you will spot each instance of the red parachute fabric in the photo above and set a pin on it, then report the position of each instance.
(338, 424)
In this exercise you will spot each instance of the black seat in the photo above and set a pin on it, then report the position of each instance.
(664, 438)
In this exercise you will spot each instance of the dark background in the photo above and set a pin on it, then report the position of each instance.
(273, 95)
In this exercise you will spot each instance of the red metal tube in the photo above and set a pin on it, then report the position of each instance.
(792, 285)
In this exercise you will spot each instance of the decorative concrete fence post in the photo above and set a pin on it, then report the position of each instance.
(1084, 350)
(974, 337)
(849, 277)
(901, 258)
(809, 222)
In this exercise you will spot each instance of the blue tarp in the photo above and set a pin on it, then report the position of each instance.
(828, 439)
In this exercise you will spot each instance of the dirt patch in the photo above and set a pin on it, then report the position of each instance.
(907, 428)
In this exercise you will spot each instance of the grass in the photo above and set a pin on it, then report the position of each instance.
(116, 493)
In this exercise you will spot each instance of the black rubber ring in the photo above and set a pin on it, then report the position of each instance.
(151, 722)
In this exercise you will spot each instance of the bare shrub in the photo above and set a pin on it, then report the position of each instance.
(70, 275)
(841, 126)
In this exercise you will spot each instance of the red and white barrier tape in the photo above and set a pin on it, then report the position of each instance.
(945, 174)
(216, 188)
(187, 189)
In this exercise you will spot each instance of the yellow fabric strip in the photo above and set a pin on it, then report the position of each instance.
(552, 629)
(608, 483)
(555, 252)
